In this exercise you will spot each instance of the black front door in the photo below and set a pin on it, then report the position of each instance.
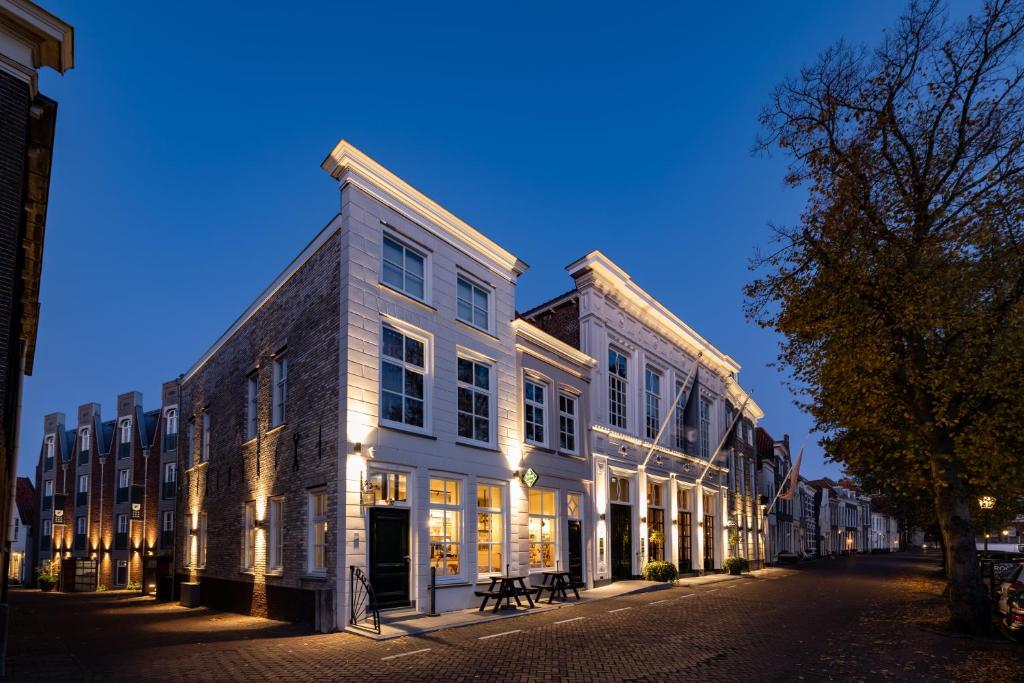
(576, 550)
(709, 542)
(622, 542)
(389, 555)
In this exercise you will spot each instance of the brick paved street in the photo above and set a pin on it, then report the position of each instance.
(839, 620)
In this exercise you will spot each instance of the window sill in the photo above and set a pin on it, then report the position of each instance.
(455, 583)
(249, 441)
(274, 574)
(273, 429)
(537, 447)
(486, 333)
(319, 578)
(479, 445)
(409, 297)
(571, 456)
(411, 431)
(247, 572)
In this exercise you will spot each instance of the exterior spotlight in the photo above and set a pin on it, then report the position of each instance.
(193, 531)
(643, 520)
(259, 524)
(601, 516)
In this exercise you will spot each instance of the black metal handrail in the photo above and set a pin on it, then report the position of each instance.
(362, 601)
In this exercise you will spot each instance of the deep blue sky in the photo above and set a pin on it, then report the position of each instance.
(189, 139)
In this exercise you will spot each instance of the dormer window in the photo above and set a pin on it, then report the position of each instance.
(84, 446)
(49, 448)
(170, 429)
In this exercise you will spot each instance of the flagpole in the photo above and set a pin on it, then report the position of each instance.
(675, 407)
(788, 472)
(725, 436)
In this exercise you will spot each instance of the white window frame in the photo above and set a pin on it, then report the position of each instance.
(204, 437)
(248, 554)
(81, 525)
(125, 430)
(704, 436)
(618, 390)
(170, 468)
(500, 513)
(652, 399)
(123, 478)
(679, 416)
(171, 421)
(534, 406)
(51, 447)
(551, 519)
(83, 483)
(474, 390)
(566, 418)
(275, 535)
(406, 250)
(252, 388)
(406, 366)
(124, 528)
(166, 525)
(316, 519)
(474, 310)
(460, 527)
(279, 403)
(202, 540)
(83, 440)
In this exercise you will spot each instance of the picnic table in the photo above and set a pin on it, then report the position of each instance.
(509, 588)
(558, 583)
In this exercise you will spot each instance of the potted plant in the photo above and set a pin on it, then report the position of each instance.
(46, 578)
(737, 565)
(659, 570)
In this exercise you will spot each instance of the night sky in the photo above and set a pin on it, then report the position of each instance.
(189, 139)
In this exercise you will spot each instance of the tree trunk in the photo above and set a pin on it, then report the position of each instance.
(968, 599)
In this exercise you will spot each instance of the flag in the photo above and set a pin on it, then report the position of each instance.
(794, 477)
(691, 415)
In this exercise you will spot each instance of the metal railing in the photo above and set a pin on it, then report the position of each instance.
(362, 601)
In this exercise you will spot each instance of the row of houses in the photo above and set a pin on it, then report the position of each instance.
(382, 417)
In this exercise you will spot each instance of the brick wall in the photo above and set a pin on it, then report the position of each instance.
(561, 321)
(301, 319)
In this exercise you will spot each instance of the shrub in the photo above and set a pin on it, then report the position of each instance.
(47, 575)
(659, 570)
(133, 586)
(737, 564)
(101, 587)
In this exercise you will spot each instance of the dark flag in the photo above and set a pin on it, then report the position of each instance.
(691, 415)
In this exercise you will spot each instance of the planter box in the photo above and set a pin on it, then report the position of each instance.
(189, 594)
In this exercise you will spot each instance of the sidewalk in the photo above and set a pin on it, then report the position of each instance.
(408, 622)
(766, 573)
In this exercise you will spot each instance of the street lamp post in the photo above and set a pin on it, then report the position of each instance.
(986, 503)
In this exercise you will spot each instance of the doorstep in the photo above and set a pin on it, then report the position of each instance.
(398, 623)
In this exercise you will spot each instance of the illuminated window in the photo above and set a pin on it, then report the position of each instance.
(567, 423)
(618, 385)
(489, 529)
(618, 490)
(388, 487)
(445, 524)
(275, 539)
(249, 536)
(543, 529)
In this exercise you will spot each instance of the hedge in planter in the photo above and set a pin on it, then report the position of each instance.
(659, 570)
(736, 565)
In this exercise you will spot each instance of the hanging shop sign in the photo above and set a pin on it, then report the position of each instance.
(530, 477)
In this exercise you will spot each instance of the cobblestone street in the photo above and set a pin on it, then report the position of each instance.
(857, 618)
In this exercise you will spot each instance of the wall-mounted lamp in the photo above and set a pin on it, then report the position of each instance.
(643, 520)
(601, 516)
(675, 522)
(259, 524)
(193, 531)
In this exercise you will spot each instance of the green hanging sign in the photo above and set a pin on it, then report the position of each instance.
(530, 477)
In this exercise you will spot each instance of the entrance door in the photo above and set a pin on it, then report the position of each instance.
(709, 542)
(576, 550)
(685, 546)
(389, 556)
(622, 542)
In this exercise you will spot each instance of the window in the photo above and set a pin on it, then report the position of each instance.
(652, 393)
(318, 525)
(533, 414)
(204, 446)
(567, 423)
(275, 542)
(618, 490)
(81, 525)
(490, 538)
(170, 479)
(252, 392)
(48, 494)
(655, 522)
(472, 304)
(190, 436)
(167, 530)
(388, 487)
(122, 486)
(170, 429)
(83, 446)
(403, 269)
(617, 388)
(201, 554)
(249, 536)
(121, 575)
(543, 528)
(280, 397)
(121, 532)
(124, 447)
(572, 505)
(705, 428)
(679, 417)
(48, 452)
(82, 496)
(47, 531)
(403, 379)
(685, 545)
(474, 400)
(445, 523)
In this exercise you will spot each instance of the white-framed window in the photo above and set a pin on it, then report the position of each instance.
(618, 489)
(705, 428)
(204, 446)
(534, 403)
(126, 431)
(252, 406)
(403, 379)
(168, 521)
(389, 487)
(403, 268)
(122, 524)
(83, 483)
(171, 422)
(318, 527)
(122, 479)
(170, 472)
(473, 304)
(249, 536)
(275, 539)
(679, 417)
(543, 529)
(47, 528)
(83, 440)
(567, 419)
(445, 524)
(201, 543)
(80, 525)
(652, 401)
(50, 450)
(280, 397)
(48, 494)
(474, 400)
(490, 529)
(618, 387)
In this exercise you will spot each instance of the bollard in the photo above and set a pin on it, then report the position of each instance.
(433, 591)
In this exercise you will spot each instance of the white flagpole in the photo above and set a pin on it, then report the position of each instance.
(675, 407)
(724, 437)
(768, 510)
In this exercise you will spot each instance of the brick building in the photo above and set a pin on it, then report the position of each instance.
(106, 489)
(30, 39)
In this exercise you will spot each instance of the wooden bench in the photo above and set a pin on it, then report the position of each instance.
(487, 595)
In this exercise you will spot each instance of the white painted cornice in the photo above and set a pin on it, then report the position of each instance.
(345, 158)
(551, 343)
(51, 39)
